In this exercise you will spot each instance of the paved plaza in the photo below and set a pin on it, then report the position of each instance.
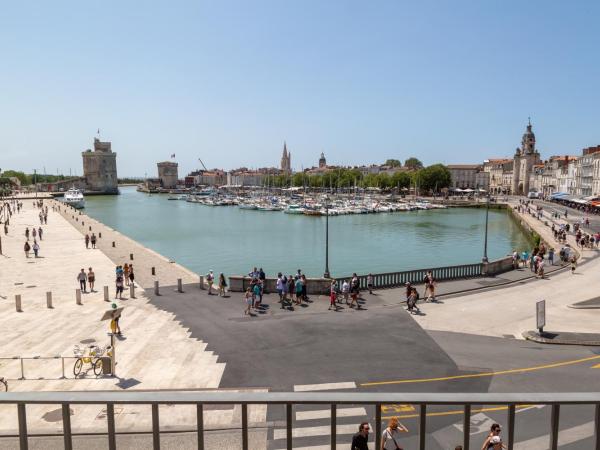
(466, 342)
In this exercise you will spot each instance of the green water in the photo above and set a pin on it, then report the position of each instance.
(230, 240)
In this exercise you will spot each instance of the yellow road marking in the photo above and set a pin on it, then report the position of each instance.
(597, 366)
(485, 374)
(396, 408)
(455, 412)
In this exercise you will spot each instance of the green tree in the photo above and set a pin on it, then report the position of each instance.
(401, 180)
(413, 163)
(433, 178)
(25, 179)
(393, 163)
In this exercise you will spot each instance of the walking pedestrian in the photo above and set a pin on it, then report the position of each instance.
(411, 301)
(285, 289)
(119, 286)
(87, 240)
(332, 295)
(346, 290)
(126, 273)
(82, 278)
(34, 233)
(27, 248)
(222, 285)
(540, 268)
(370, 283)
(131, 275)
(248, 301)
(36, 248)
(6, 227)
(390, 437)
(93, 240)
(429, 286)
(299, 287)
(354, 291)
(304, 291)
(360, 440)
(256, 297)
(493, 441)
(210, 279)
(91, 277)
(40, 231)
(279, 287)
(292, 289)
(551, 256)
(573, 264)
(114, 326)
(27, 233)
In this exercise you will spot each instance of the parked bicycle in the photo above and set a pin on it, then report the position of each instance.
(91, 355)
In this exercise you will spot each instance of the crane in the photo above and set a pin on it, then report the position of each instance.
(202, 164)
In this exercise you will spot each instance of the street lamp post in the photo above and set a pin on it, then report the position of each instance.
(487, 212)
(35, 181)
(326, 274)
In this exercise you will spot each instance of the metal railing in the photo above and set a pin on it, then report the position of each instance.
(22, 360)
(199, 399)
(395, 279)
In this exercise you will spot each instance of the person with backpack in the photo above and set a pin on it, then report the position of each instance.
(27, 248)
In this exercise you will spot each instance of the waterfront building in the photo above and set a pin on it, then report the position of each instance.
(286, 160)
(100, 168)
(500, 175)
(526, 157)
(468, 176)
(168, 174)
(213, 177)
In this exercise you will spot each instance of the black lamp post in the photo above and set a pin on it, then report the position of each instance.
(487, 212)
(326, 274)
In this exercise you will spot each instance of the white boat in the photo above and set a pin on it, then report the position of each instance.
(294, 209)
(74, 197)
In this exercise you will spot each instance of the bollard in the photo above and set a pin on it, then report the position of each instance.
(99, 235)
(106, 294)
(156, 291)
(49, 300)
(202, 282)
(113, 244)
(18, 303)
(179, 285)
(131, 291)
(131, 256)
(153, 271)
(78, 296)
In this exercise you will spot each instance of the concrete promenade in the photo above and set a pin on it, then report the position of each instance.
(155, 351)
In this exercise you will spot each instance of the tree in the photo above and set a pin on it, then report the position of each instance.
(433, 178)
(401, 180)
(393, 163)
(413, 163)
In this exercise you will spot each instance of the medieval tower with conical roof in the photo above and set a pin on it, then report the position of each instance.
(286, 160)
(525, 158)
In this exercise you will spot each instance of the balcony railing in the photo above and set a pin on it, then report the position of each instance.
(199, 399)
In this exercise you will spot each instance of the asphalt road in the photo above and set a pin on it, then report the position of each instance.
(383, 349)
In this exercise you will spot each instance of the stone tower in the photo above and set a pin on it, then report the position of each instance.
(100, 168)
(168, 174)
(524, 160)
(286, 160)
(322, 161)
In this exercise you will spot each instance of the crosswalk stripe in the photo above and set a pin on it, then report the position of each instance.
(324, 386)
(565, 437)
(314, 447)
(280, 433)
(326, 413)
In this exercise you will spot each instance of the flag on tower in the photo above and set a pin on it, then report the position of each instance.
(98, 130)
(173, 155)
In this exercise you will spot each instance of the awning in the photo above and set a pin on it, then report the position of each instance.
(558, 194)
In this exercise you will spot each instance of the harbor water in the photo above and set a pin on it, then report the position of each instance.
(232, 240)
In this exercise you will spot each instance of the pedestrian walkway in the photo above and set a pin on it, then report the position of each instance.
(155, 351)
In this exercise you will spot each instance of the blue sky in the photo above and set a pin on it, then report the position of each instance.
(230, 81)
